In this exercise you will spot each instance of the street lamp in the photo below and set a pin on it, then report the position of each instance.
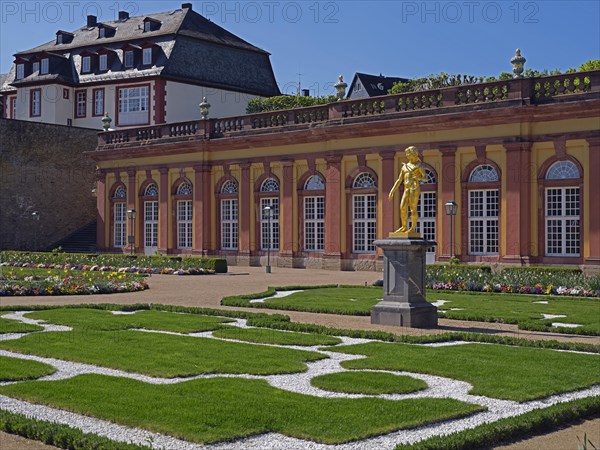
(268, 212)
(36, 218)
(131, 237)
(451, 207)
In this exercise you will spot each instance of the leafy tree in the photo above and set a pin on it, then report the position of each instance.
(592, 64)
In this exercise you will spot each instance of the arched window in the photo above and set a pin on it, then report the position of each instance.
(364, 214)
(229, 215)
(427, 208)
(120, 217)
(314, 214)
(269, 207)
(151, 218)
(484, 174)
(185, 215)
(562, 210)
(483, 211)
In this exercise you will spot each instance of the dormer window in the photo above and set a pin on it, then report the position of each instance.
(106, 31)
(128, 58)
(20, 71)
(36, 67)
(103, 62)
(86, 65)
(63, 37)
(102, 32)
(151, 24)
(45, 66)
(147, 56)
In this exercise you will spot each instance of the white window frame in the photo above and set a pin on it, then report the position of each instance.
(128, 58)
(150, 223)
(80, 104)
(485, 220)
(102, 33)
(13, 107)
(185, 220)
(35, 67)
(229, 223)
(45, 67)
(147, 26)
(147, 56)
(269, 235)
(103, 62)
(120, 224)
(20, 71)
(86, 64)
(99, 102)
(133, 105)
(36, 103)
(314, 223)
(562, 221)
(427, 211)
(364, 222)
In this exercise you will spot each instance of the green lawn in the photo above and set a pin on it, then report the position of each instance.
(14, 326)
(102, 320)
(268, 336)
(223, 408)
(162, 355)
(510, 373)
(15, 369)
(368, 383)
(488, 307)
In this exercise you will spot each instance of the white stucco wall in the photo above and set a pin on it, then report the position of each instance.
(183, 100)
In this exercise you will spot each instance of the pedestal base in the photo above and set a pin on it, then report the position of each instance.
(404, 303)
(420, 315)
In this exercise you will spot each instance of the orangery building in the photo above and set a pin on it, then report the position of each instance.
(308, 187)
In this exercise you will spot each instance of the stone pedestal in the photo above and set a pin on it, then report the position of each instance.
(404, 303)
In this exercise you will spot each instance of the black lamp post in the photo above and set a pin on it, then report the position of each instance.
(131, 237)
(451, 207)
(267, 210)
(36, 218)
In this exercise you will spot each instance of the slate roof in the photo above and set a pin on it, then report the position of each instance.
(372, 85)
(190, 47)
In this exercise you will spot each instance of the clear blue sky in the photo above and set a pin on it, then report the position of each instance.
(321, 40)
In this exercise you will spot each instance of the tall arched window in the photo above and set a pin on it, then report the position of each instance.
(120, 217)
(427, 208)
(151, 217)
(364, 214)
(314, 214)
(185, 216)
(483, 210)
(562, 210)
(269, 223)
(229, 215)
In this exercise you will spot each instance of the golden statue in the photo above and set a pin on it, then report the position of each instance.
(411, 175)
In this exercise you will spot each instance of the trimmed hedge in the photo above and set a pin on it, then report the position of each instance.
(219, 265)
(503, 431)
(58, 435)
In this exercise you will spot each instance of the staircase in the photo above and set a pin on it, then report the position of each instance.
(80, 241)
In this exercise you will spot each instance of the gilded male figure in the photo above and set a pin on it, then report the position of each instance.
(411, 175)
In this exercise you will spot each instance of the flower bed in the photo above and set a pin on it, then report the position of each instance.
(35, 282)
(517, 280)
(87, 267)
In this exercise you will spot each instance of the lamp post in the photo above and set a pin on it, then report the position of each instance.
(451, 207)
(131, 237)
(36, 218)
(267, 210)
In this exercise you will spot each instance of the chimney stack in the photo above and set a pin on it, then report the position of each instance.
(123, 15)
(305, 92)
(186, 6)
(92, 21)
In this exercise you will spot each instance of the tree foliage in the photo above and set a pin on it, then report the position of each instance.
(259, 105)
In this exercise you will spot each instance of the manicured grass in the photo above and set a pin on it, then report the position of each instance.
(224, 408)
(268, 336)
(486, 307)
(14, 326)
(95, 319)
(162, 355)
(15, 369)
(510, 373)
(368, 383)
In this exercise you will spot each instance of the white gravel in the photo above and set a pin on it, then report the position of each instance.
(278, 294)
(566, 325)
(553, 316)
(439, 303)
(438, 387)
